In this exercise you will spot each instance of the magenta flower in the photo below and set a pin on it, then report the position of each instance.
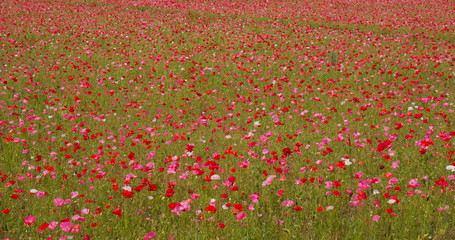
(287, 203)
(393, 181)
(85, 211)
(254, 197)
(52, 225)
(74, 194)
(414, 183)
(29, 220)
(363, 184)
(40, 194)
(66, 226)
(376, 218)
(150, 235)
(395, 164)
(240, 216)
(58, 202)
(251, 207)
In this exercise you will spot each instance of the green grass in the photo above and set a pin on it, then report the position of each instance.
(259, 66)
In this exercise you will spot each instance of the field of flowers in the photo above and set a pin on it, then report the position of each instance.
(240, 119)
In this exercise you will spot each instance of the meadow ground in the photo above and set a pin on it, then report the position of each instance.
(132, 119)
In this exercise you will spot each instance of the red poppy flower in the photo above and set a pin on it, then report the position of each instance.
(210, 209)
(127, 194)
(383, 145)
(169, 192)
(298, 208)
(238, 207)
(388, 175)
(173, 205)
(43, 226)
(287, 152)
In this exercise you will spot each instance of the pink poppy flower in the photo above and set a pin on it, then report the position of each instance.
(52, 225)
(58, 202)
(240, 216)
(74, 194)
(393, 181)
(287, 203)
(85, 211)
(29, 220)
(66, 226)
(150, 235)
(376, 218)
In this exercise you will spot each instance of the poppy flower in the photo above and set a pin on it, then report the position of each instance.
(43, 226)
(241, 216)
(150, 235)
(210, 208)
(287, 152)
(376, 218)
(169, 192)
(29, 220)
(237, 207)
(66, 226)
(127, 194)
(58, 202)
(298, 208)
(383, 145)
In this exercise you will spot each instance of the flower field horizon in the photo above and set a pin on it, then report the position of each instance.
(181, 119)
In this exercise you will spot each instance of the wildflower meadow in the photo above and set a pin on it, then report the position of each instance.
(216, 119)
